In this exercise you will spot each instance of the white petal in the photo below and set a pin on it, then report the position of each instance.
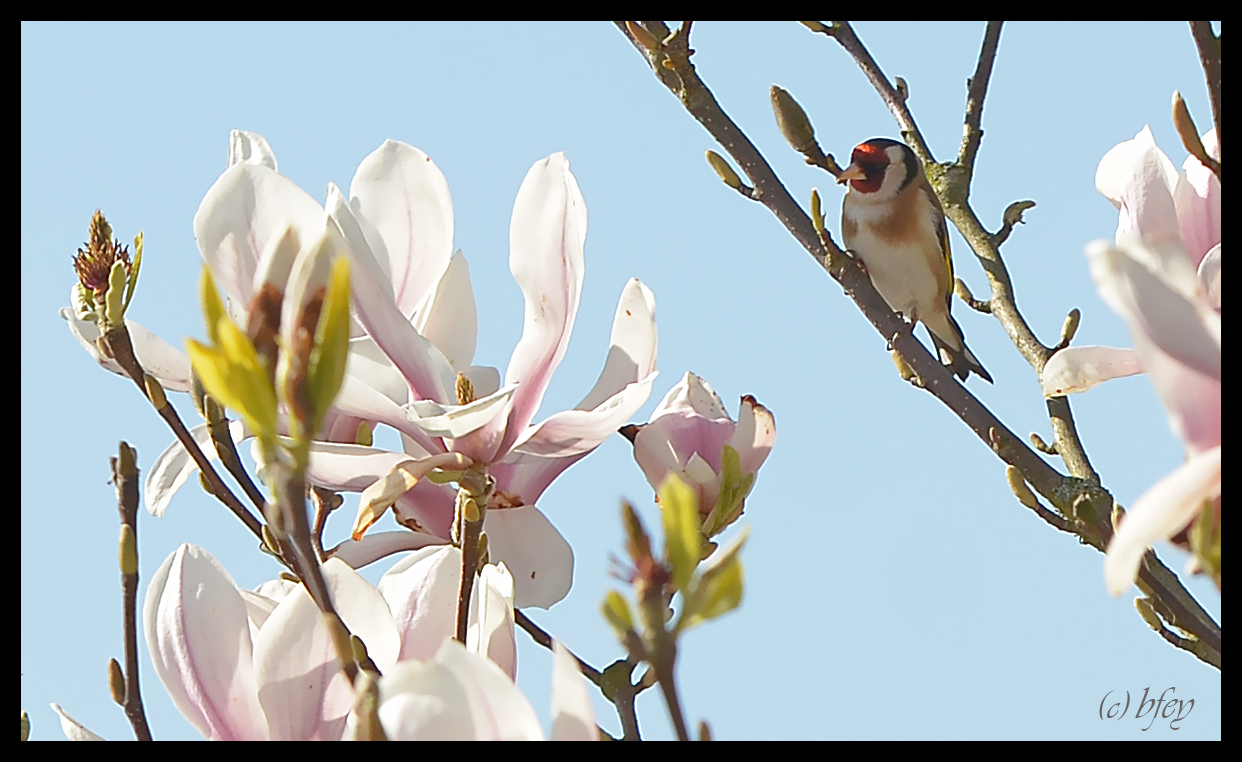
(74, 730)
(174, 466)
(169, 365)
(1076, 369)
(573, 719)
(448, 316)
(453, 421)
(491, 632)
(250, 148)
(377, 545)
(541, 562)
(1163, 509)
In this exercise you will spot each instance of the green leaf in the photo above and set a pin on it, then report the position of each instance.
(682, 539)
(718, 589)
(326, 369)
(617, 613)
(233, 374)
(133, 271)
(213, 308)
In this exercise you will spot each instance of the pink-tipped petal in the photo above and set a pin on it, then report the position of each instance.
(577, 432)
(1139, 179)
(1076, 369)
(499, 710)
(1209, 277)
(573, 718)
(427, 508)
(429, 374)
(1191, 399)
(247, 210)
(455, 421)
(527, 475)
(349, 468)
(546, 237)
(174, 466)
(491, 631)
(421, 590)
(633, 348)
(541, 562)
(402, 200)
(1161, 512)
(448, 317)
(169, 365)
(198, 633)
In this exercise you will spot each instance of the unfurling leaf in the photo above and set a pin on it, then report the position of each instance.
(682, 537)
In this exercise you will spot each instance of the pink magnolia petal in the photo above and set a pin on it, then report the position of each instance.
(1152, 285)
(359, 399)
(666, 443)
(1139, 179)
(692, 395)
(541, 562)
(428, 507)
(377, 545)
(1161, 512)
(302, 688)
(198, 633)
(527, 475)
(74, 730)
(546, 237)
(174, 466)
(424, 701)
(244, 213)
(349, 468)
(1076, 369)
(577, 432)
(456, 421)
(403, 201)
(250, 148)
(169, 365)
(1209, 276)
(486, 379)
(755, 434)
(429, 374)
(448, 316)
(633, 346)
(498, 709)
(573, 718)
(1191, 399)
(1197, 198)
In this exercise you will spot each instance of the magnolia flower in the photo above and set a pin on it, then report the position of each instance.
(1163, 277)
(410, 363)
(242, 665)
(688, 435)
(462, 696)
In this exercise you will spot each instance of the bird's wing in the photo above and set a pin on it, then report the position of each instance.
(942, 233)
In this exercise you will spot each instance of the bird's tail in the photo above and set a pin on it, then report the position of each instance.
(960, 359)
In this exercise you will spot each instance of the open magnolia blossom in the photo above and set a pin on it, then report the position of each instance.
(688, 435)
(459, 695)
(243, 665)
(1163, 277)
(410, 361)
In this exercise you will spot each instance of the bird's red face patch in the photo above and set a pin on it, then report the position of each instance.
(873, 160)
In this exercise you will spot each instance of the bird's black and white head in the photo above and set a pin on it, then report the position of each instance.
(880, 169)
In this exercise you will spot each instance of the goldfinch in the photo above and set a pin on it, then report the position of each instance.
(890, 219)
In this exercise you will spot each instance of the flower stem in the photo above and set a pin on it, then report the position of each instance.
(125, 477)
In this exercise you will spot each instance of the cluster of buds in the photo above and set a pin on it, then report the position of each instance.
(106, 276)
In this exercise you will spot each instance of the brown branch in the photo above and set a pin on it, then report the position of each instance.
(972, 134)
(116, 344)
(125, 478)
(1079, 495)
(1209, 55)
(540, 636)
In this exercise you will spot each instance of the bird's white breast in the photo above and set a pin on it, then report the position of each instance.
(906, 271)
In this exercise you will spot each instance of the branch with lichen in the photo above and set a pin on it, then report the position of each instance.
(1078, 497)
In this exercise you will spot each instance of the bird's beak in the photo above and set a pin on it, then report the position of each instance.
(852, 172)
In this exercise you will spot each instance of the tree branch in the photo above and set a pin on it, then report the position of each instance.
(1209, 55)
(125, 478)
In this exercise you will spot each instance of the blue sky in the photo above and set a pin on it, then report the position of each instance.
(894, 586)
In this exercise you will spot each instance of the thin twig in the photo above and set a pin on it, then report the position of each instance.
(540, 636)
(125, 478)
(972, 134)
(1209, 55)
(118, 346)
(226, 448)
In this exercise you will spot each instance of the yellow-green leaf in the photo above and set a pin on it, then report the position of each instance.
(213, 308)
(682, 538)
(617, 613)
(327, 360)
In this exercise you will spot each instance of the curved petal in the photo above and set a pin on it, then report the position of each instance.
(169, 365)
(250, 148)
(349, 468)
(421, 590)
(1191, 399)
(243, 215)
(1076, 369)
(1209, 276)
(526, 475)
(1163, 509)
(198, 633)
(377, 545)
(302, 687)
(455, 421)
(1197, 198)
(546, 237)
(668, 442)
(692, 395)
(755, 434)
(1152, 285)
(1139, 179)
(402, 200)
(633, 348)
(577, 432)
(573, 718)
(74, 730)
(491, 631)
(174, 466)
(425, 368)
(541, 562)
(448, 315)
(427, 508)
(359, 399)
